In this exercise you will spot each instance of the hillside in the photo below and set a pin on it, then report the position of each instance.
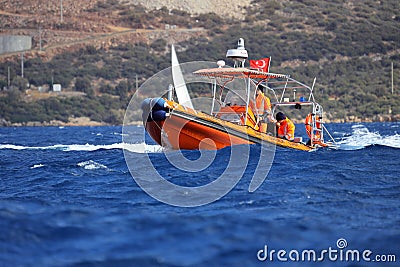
(349, 46)
(224, 8)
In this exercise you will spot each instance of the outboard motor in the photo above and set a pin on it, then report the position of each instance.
(154, 109)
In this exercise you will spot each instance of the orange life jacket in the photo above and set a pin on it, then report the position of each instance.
(263, 103)
(286, 129)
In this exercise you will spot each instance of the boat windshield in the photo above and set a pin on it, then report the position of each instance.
(235, 104)
(235, 98)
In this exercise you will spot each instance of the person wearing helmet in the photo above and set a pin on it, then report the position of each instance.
(285, 127)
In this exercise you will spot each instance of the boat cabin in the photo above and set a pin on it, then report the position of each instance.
(234, 97)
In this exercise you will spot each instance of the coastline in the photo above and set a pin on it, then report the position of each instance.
(86, 121)
(79, 121)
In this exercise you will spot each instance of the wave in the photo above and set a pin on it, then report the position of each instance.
(136, 148)
(37, 166)
(361, 138)
(91, 165)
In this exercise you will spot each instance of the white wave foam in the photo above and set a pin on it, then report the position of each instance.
(120, 134)
(361, 137)
(136, 148)
(89, 147)
(9, 146)
(142, 148)
(37, 166)
(91, 165)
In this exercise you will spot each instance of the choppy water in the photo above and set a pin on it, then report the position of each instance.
(67, 198)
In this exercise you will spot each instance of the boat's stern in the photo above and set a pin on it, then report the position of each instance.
(154, 113)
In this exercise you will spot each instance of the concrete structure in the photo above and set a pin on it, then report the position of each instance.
(56, 87)
(14, 43)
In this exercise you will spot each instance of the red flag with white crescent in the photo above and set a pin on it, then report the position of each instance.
(261, 64)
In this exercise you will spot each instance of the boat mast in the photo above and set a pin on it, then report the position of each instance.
(239, 56)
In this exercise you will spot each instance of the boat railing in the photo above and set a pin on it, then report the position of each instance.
(285, 89)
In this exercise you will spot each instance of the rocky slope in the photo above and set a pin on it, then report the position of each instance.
(93, 22)
(225, 8)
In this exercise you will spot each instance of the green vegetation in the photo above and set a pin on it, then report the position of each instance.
(103, 108)
(348, 46)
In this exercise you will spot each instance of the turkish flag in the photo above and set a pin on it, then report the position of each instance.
(261, 64)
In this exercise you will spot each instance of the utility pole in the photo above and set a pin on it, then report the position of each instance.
(61, 10)
(392, 80)
(137, 82)
(40, 38)
(22, 65)
(8, 77)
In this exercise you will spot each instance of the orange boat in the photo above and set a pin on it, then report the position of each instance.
(233, 118)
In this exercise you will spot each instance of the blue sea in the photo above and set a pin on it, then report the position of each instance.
(68, 198)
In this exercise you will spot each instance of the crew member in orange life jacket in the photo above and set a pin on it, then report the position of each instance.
(263, 105)
(285, 127)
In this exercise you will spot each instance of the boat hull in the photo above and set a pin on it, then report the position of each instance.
(188, 129)
(180, 133)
